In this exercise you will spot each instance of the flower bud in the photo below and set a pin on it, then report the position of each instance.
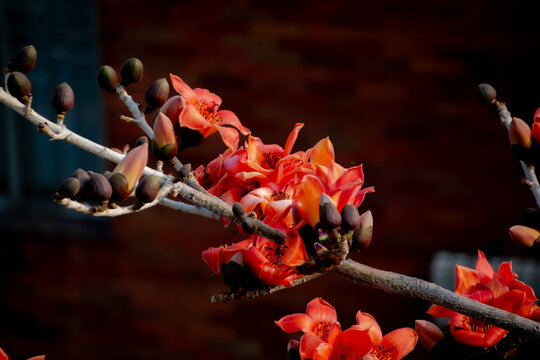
(362, 235)
(350, 218)
(249, 225)
(293, 350)
(131, 71)
(173, 107)
(148, 189)
(531, 218)
(141, 140)
(329, 215)
(238, 210)
(486, 93)
(120, 187)
(99, 188)
(83, 177)
(429, 334)
(164, 142)
(69, 187)
(63, 98)
(132, 166)
(524, 235)
(107, 78)
(19, 86)
(519, 133)
(24, 60)
(157, 93)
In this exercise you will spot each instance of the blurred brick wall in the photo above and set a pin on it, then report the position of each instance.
(391, 83)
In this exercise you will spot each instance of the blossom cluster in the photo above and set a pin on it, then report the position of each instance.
(323, 338)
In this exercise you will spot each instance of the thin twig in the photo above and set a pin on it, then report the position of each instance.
(528, 170)
(256, 293)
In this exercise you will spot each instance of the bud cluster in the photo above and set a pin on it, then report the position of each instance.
(335, 235)
(116, 186)
(22, 63)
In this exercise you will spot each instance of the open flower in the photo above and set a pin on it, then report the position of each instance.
(201, 114)
(499, 289)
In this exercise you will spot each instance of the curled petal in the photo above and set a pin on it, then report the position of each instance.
(292, 139)
(229, 118)
(400, 342)
(306, 198)
(295, 322)
(366, 321)
(483, 268)
(229, 136)
(321, 311)
(183, 89)
(465, 277)
(322, 153)
(439, 311)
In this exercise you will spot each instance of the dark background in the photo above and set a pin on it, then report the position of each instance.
(393, 85)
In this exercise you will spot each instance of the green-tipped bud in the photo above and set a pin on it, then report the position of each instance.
(238, 210)
(362, 235)
(131, 71)
(99, 188)
(69, 187)
(24, 60)
(524, 235)
(157, 93)
(164, 142)
(184, 171)
(132, 166)
(293, 350)
(19, 86)
(429, 334)
(329, 215)
(249, 225)
(120, 187)
(147, 189)
(141, 140)
(173, 107)
(63, 98)
(350, 218)
(486, 93)
(519, 133)
(107, 78)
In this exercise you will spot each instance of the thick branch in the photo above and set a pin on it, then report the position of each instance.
(420, 289)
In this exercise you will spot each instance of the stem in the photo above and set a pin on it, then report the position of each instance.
(420, 289)
(532, 180)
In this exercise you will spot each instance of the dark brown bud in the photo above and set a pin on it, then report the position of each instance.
(69, 187)
(107, 78)
(99, 188)
(141, 140)
(81, 175)
(147, 189)
(131, 71)
(362, 236)
(24, 60)
(157, 93)
(19, 86)
(350, 218)
(238, 210)
(329, 216)
(63, 98)
(120, 187)
(107, 174)
(249, 225)
(184, 171)
(486, 93)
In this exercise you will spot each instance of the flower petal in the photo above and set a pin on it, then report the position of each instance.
(230, 118)
(400, 341)
(306, 198)
(192, 119)
(309, 342)
(439, 311)
(208, 98)
(321, 311)
(183, 89)
(295, 322)
(465, 277)
(483, 268)
(322, 153)
(296, 254)
(366, 321)
(292, 139)
(229, 136)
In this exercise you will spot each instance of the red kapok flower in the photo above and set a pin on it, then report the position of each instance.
(201, 113)
(499, 289)
(214, 257)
